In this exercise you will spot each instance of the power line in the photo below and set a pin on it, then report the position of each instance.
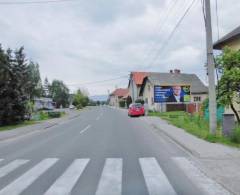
(171, 34)
(33, 2)
(160, 42)
(160, 28)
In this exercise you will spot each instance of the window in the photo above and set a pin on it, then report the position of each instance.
(197, 99)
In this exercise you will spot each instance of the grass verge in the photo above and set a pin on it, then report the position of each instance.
(196, 125)
(40, 116)
(9, 127)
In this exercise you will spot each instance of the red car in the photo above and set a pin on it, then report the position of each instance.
(136, 109)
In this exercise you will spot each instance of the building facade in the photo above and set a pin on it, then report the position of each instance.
(197, 91)
(117, 95)
(44, 103)
(135, 83)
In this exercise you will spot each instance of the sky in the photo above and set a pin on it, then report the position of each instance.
(81, 41)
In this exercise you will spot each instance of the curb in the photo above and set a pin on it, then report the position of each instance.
(28, 132)
(194, 153)
(51, 125)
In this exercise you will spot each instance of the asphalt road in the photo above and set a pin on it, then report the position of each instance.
(102, 152)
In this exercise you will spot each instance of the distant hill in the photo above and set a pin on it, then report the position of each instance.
(99, 97)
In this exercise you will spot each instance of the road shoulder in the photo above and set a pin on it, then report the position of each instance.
(217, 161)
(21, 131)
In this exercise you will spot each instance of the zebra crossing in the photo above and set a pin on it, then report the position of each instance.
(110, 181)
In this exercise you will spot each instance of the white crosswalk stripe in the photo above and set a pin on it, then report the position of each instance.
(21, 183)
(111, 179)
(66, 182)
(11, 166)
(156, 181)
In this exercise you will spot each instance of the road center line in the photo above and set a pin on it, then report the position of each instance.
(85, 129)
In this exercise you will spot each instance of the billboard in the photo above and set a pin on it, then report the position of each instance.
(173, 94)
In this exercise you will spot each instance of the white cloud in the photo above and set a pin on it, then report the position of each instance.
(88, 41)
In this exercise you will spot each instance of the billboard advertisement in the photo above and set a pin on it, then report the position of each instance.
(172, 94)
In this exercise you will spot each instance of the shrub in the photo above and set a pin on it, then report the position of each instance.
(122, 103)
(43, 115)
(235, 137)
(54, 114)
(79, 106)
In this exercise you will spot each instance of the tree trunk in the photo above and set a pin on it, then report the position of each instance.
(235, 112)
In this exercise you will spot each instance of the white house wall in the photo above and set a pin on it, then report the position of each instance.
(134, 91)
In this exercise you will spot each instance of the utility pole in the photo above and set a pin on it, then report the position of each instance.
(211, 70)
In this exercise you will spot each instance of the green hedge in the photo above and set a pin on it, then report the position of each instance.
(235, 137)
(79, 106)
(54, 114)
(122, 103)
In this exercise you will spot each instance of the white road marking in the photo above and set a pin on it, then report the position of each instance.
(85, 129)
(111, 179)
(66, 182)
(208, 185)
(98, 118)
(156, 181)
(1, 160)
(21, 183)
(11, 166)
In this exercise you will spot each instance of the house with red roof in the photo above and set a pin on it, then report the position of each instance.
(117, 95)
(156, 89)
(135, 83)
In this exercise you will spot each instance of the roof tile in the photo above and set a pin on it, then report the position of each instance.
(120, 92)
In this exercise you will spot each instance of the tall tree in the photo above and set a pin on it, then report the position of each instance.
(19, 82)
(35, 88)
(229, 85)
(13, 86)
(60, 93)
(5, 77)
(46, 88)
(80, 99)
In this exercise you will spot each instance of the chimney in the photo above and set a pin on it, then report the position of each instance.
(177, 71)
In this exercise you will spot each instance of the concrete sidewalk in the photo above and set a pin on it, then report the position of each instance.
(9, 134)
(220, 162)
